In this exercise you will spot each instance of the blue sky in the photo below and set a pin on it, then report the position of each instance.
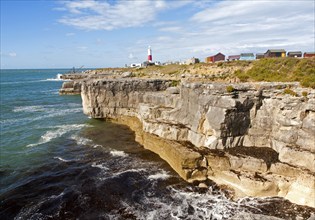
(63, 34)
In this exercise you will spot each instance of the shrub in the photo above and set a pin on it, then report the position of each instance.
(220, 64)
(175, 83)
(304, 93)
(230, 89)
(243, 77)
(289, 92)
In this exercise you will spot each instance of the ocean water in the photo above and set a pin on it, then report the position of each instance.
(56, 163)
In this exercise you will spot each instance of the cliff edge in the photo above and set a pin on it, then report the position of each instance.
(250, 137)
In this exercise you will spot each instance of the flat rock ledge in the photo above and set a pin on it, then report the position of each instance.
(255, 140)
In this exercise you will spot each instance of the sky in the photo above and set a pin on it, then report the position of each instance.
(112, 33)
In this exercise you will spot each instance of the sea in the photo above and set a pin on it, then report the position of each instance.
(57, 163)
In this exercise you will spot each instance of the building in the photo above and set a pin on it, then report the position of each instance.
(135, 65)
(275, 53)
(247, 56)
(294, 54)
(215, 58)
(259, 55)
(309, 54)
(233, 57)
(192, 61)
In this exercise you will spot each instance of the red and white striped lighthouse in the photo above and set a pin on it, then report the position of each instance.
(150, 54)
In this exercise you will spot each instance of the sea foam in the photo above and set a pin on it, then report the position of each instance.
(53, 134)
(61, 159)
(117, 153)
(58, 78)
(32, 108)
(100, 166)
(81, 140)
(162, 175)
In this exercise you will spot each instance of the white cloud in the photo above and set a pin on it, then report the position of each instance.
(227, 26)
(70, 34)
(100, 15)
(82, 48)
(12, 54)
(98, 41)
(132, 57)
(233, 27)
(164, 38)
(175, 29)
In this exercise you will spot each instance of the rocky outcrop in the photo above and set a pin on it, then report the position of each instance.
(71, 88)
(255, 140)
(72, 85)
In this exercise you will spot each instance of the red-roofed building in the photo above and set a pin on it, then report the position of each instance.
(309, 54)
(215, 58)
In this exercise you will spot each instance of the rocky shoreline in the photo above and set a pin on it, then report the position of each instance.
(251, 138)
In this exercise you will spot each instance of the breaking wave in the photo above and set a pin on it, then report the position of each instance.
(61, 159)
(163, 175)
(58, 78)
(34, 108)
(53, 134)
(117, 153)
(100, 166)
(81, 140)
(49, 109)
(46, 111)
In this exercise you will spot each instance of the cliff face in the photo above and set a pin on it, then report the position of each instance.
(255, 140)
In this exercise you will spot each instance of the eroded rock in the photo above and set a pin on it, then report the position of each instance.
(260, 142)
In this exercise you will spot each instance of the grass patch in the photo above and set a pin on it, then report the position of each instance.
(175, 83)
(289, 92)
(230, 89)
(304, 94)
(281, 70)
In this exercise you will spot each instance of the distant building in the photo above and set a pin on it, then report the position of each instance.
(233, 57)
(170, 63)
(294, 54)
(148, 63)
(215, 58)
(192, 61)
(309, 54)
(275, 53)
(135, 65)
(247, 56)
(259, 55)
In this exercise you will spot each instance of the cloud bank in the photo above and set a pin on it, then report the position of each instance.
(100, 15)
(205, 27)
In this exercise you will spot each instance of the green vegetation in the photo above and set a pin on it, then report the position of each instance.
(267, 69)
(175, 83)
(289, 92)
(281, 70)
(230, 89)
(304, 93)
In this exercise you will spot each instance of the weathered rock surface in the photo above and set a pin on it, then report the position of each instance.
(71, 88)
(256, 140)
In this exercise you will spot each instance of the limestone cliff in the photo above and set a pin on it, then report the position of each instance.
(255, 140)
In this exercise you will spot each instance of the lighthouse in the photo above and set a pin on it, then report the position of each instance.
(149, 55)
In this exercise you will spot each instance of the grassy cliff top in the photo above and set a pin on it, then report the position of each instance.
(268, 69)
(281, 70)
